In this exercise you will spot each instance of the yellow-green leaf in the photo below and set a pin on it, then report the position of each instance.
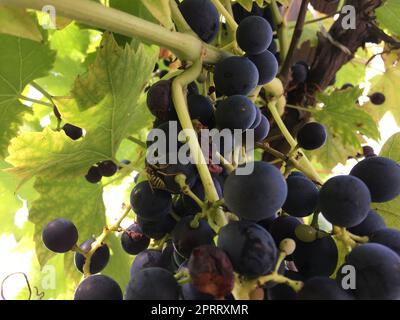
(17, 22)
(388, 84)
(22, 62)
(388, 16)
(344, 118)
(103, 103)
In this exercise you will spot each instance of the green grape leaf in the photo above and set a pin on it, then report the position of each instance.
(103, 103)
(17, 22)
(71, 44)
(22, 62)
(354, 71)
(390, 211)
(73, 199)
(387, 83)
(161, 10)
(344, 118)
(388, 16)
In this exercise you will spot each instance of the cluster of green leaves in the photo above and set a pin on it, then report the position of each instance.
(97, 86)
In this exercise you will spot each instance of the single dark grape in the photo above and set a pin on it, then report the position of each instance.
(284, 227)
(107, 168)
(267, 66)
(372, 223)
(148, 258)
(258, 195)
(300, 72)
(211, 271)
(254, 35)
(317, 258)
(201, 108)
(187, 206)
(381, 175)
(312, 136)
(157, 229)
(150, 204)
(60, 235)
(262, 130)
(387, 237)
(302, 198)
(93, 175)
(72, 131)
(322, 288)
(368, 151)
(99, 258)
(250, 248)
(235, 75)
(152, 284)
(98, 287)
(186, 238)
(344, 201)
(377, 272)
(202, 17)
(159, 100)
(347, 86)
(377, 98)
(125, 162)
(235, 112)
(133, 240)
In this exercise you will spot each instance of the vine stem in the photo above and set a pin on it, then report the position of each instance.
(139, 142)
(42, 91)
(185, 46)
(228, 17)
(100, 239)
(349, 240)
(179, 98)
(43, 103)
(309, 110)
(178, 18)
(281, 24)
(243, 287)
(302, 163)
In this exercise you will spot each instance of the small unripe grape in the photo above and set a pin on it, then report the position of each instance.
(305, 233)
(287, 246)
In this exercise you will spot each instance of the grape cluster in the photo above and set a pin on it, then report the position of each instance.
(270, 229)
